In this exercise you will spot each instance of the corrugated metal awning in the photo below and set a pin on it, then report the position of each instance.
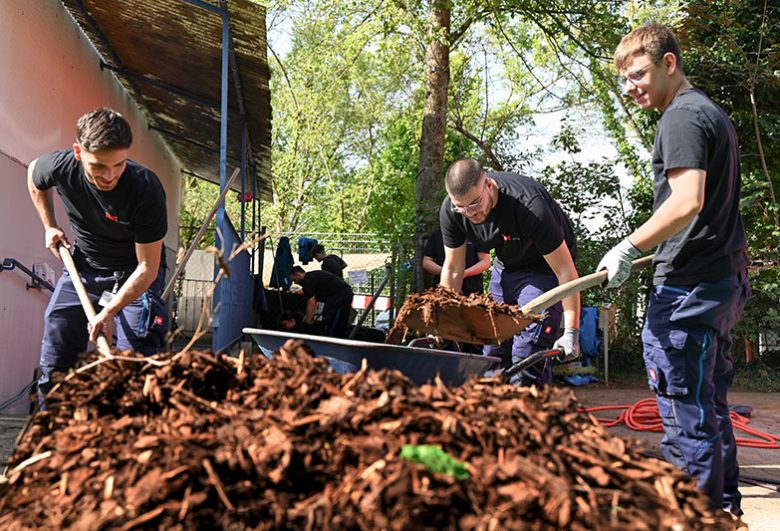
(167, 54)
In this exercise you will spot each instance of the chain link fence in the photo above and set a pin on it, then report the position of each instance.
(375, 265)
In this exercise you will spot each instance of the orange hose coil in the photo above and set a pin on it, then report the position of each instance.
(643, 416)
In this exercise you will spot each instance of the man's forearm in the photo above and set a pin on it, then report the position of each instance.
(450, 278)
(480, 267)
(430, 266)
(662, 225)
(677, 212)
(139, 281)
(311, 306)
(571, 311)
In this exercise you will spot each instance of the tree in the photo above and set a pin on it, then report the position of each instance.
(732, 52)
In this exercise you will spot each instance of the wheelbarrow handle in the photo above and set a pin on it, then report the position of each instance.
(548, 298)
(70, 265)
(530, 361)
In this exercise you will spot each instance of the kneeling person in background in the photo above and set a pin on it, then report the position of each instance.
(333, 292)
(293, 322)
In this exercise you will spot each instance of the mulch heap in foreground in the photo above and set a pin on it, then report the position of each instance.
(213, 442)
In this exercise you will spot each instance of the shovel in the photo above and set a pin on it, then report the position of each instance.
(473, 320)
(102, 343)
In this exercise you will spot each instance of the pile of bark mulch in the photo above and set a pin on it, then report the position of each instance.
(447, 314)
(212, 442)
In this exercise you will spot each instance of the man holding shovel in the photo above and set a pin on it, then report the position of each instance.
(116, 208)
(700, 284)
(535, 249)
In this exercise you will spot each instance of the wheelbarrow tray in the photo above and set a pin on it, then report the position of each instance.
(478, 319)
(421, 365)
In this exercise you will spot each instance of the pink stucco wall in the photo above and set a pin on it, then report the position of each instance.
(50, 77)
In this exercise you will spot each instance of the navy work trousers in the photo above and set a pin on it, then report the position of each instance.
(140, 326)
(687, 343)
(336, 314)
(521, 287)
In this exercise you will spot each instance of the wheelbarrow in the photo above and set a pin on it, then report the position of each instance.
(421, 365)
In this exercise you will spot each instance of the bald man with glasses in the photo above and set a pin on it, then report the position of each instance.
(535, 250)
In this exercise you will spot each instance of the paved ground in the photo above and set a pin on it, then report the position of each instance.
(760, 503)
(9, 429)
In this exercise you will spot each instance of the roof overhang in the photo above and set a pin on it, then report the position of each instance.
(168, 55)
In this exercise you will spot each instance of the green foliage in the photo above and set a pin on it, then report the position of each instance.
(732, 52)
(762, 314)
(348, 93)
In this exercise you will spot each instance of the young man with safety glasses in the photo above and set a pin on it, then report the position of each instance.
(700, 283)
(535, 249)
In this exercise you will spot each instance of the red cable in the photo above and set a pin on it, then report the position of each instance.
(643, 416)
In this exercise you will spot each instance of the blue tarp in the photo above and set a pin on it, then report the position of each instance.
(233, 295)
(589, 339)
(283, 264)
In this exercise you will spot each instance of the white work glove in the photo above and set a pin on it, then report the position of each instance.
(617, 262)
(569, 343)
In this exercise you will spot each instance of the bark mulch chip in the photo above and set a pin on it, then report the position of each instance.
(205, 441)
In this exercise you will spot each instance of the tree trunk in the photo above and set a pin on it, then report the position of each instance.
(437, 81)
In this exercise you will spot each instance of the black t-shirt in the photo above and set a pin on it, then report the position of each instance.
(333, 264)
(525, 224)
(325, 287)
(694, 132)
(434, 248)
(107, 224)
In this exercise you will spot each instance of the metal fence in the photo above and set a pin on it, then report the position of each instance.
(371, 262)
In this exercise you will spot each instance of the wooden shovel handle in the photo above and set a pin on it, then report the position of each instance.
(70, 265)
(548, 298)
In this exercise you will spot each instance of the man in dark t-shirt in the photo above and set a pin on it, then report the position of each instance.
(476, 263)
(329, 262)
(333, 292)
(700, 282)
(534, 247)
(116, 208)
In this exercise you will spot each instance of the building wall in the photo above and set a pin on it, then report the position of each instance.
(50, 77)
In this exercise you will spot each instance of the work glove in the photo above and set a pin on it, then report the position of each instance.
(569, 343)
(617, 262)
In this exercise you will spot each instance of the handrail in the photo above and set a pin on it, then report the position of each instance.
(38, 282)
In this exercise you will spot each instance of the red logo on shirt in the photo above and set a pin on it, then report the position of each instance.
(158, 320)
(112, 218)
(547, 329)
(506, 237)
